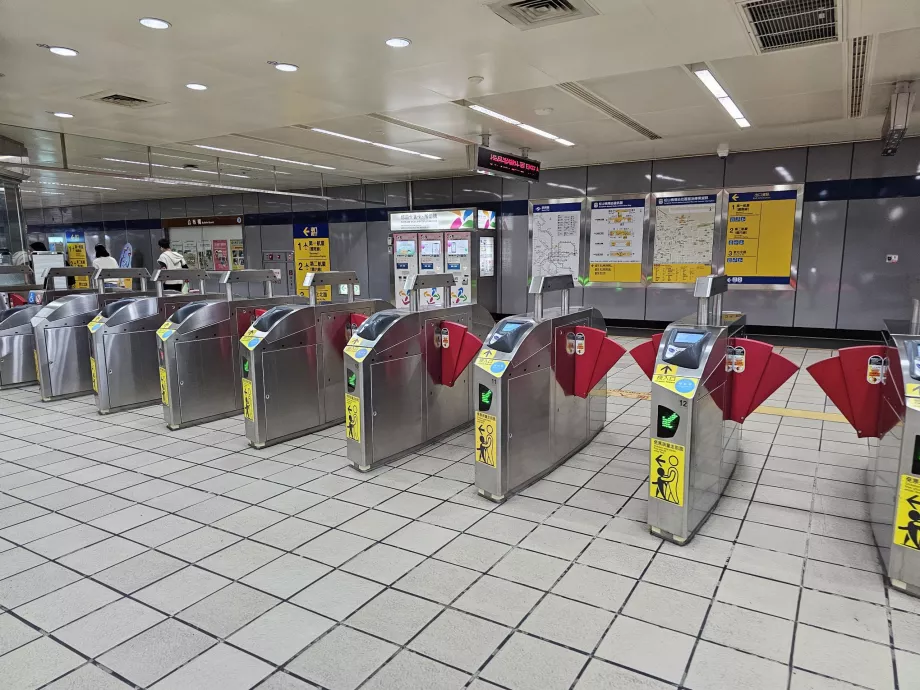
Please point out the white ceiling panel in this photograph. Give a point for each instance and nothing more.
(652, 91)
(792, 109)
(897, 56)
(521, 105)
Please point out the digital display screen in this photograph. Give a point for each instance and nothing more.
(485, 398)
(511, 327)
(405, 248)
(507, 163)
(688, 338)
(458, 247)
(431, 247)
(668, 422)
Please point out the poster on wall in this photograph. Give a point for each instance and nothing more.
(556, 229)
(758, 237)
(221, 255)
(205, 255)
(684, 230)
(237, 256)
(76, 256)
(189, 250)
(311, 255)
(615, 241)
(448, 219)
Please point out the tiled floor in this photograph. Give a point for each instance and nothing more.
(135, 557)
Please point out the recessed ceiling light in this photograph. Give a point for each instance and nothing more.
(398, 42)
(512, 121)
(544, 111)
(154, 23)
(475, 79)
(66, 116)
(283, 66)
(62, 51)
(374, 143)
(196, 87)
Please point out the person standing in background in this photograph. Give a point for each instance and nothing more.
(170, 260)
(104, 260)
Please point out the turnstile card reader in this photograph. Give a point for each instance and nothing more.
(292, 362)
(396, 397)
(533, 380)
(198, 351)
(17, 346)
(694, 443)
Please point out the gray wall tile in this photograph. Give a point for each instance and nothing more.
(620, 178)
(829, 162)
(820, 255)
(786, 166)
(698, 172)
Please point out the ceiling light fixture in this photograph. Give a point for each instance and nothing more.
(283, 66)
(267, 158)
(196, 87)
(399, 42)
(66, 116)
(64, 184)
(154, 23)
(374, 143)
(62, 51)
(174, 167)
(518, 123)
(715, 88)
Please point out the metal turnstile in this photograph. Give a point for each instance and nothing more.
(293, 381)
(17, 346)
(16, 282)
(123, 339)
(396, 398)
(532, 382)
(198, 351)
(694, 443)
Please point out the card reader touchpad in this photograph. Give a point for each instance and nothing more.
(684, 347)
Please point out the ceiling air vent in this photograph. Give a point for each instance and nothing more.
(122, 99)
(858, 73)
(533, 14)
(781, 24)
(576, 90)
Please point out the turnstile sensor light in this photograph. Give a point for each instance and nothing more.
(485, 398)
(668, 422)
(352, 380)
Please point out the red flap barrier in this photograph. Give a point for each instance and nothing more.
(645, 354)
(854, 383)
(354, 322)
(764, 371)
(458, 348)
(260, 312)
(17, 300)
(600, 354)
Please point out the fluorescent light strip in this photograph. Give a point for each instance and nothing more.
(64, 184)
(174, 167)
(271, 158)
(374, 143)
(518, 123)
(715, 88)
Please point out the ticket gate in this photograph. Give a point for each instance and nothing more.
(293, 374)
(706, 379)
(47, 292)
(533, 380)
(62, 347)
(198, 351)
(877, 388)
(15, 284)
(17, 343)
(403, 387)
(123, 350)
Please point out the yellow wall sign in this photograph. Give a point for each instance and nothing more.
(353, 417)
(907, 523)
(758, 237)
(666, 481)
(485, 434)
(92, 370)
(248, 412)
(311, 255)
(76, 256)
(164, 387)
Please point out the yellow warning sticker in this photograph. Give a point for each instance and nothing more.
(684, 386)
(38, 369)
(96, 323)
(164, 388)
(359, 354)
(166, 330)
(248, 412)
(484, 433)
(92, 370)
(355, 340)
(486, 361)
(912, 390)
(251, 338)
(352, 417)
(667, 472)
(913, 403)
(907, 523)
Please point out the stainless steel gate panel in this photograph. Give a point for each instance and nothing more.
(203, 367)
(290, 390)
(130, 369)
(530, 427)
(396, 405)
(68, 360)
(17, 347)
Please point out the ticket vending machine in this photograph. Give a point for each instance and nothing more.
(62, 346)
(198, 350)
(123, 340)
(292, 363)
(694, 441)
(406, 377)
(877, 388)
(533, 382)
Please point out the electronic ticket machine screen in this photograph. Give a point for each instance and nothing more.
(684, 347)
(508, 335)
(913, 350)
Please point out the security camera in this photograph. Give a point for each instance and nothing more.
(722, 150)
